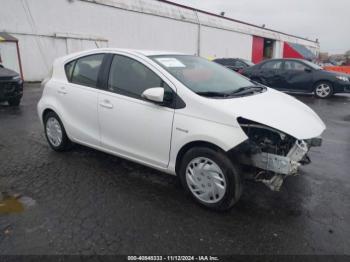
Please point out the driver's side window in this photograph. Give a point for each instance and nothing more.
(131, 78)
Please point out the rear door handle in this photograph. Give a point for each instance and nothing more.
(62, 90)
(106, 104)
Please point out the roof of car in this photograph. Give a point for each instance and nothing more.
(226, 58)
(276, 59)
(140, 51)
(111, 50)
(280, 59)
(153, 52)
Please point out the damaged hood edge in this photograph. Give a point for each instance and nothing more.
(279, 111)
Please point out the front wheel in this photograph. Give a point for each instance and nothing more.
(323, 90)
(55, 132)
(210, 178)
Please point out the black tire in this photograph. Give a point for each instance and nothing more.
(65, 142)
(318, 85)
(229, 170)
(14, 101)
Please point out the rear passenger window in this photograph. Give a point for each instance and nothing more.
(131, 78)
(272, 65)
(86, 70)
(293, 65)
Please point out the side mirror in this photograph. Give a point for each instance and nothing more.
(308, 70)
(154, 94)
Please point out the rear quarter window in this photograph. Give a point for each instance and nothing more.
(69, 70)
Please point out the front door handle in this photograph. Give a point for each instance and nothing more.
(106, 104)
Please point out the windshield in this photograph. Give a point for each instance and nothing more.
(312, 65)
(201, 75)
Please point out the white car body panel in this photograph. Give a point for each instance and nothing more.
(278, 110)
(189, 129)
(136, 128)
(153, 135)
(81, 116)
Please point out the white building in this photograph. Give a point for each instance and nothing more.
(49, 29)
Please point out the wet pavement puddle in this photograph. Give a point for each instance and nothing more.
(10, 204)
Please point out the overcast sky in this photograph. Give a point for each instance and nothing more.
(327, 20)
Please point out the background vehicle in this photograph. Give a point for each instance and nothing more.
(235, 64)
(11, 86)
(296, 75)
(180, 114)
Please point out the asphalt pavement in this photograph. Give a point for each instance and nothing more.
(87, 202)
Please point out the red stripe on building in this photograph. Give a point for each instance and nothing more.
(290, 52)
(258, 49)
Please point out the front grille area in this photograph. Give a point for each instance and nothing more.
(8, 87)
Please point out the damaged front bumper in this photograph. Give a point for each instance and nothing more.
(273, 168)
(271, 155)
(276, 167)
(286, 165)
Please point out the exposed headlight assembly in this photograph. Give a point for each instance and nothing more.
(343, 78)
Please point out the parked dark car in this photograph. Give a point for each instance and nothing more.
(235, 64)
(11, 86)
(297, 75)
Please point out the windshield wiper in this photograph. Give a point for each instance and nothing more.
(212, 94)
(246, 89)
(239, 91)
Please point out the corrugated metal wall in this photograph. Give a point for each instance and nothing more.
(223, 43)
(48, 29)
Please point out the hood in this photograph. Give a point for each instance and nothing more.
(276, 110)
(7, 73)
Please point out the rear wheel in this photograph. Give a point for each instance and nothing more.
(14, 101)
(323, 90)
(55, 132)
(210, 178)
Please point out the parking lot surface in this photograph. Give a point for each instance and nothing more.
(87, 202)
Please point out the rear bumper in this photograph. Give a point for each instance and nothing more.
(11, 90)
